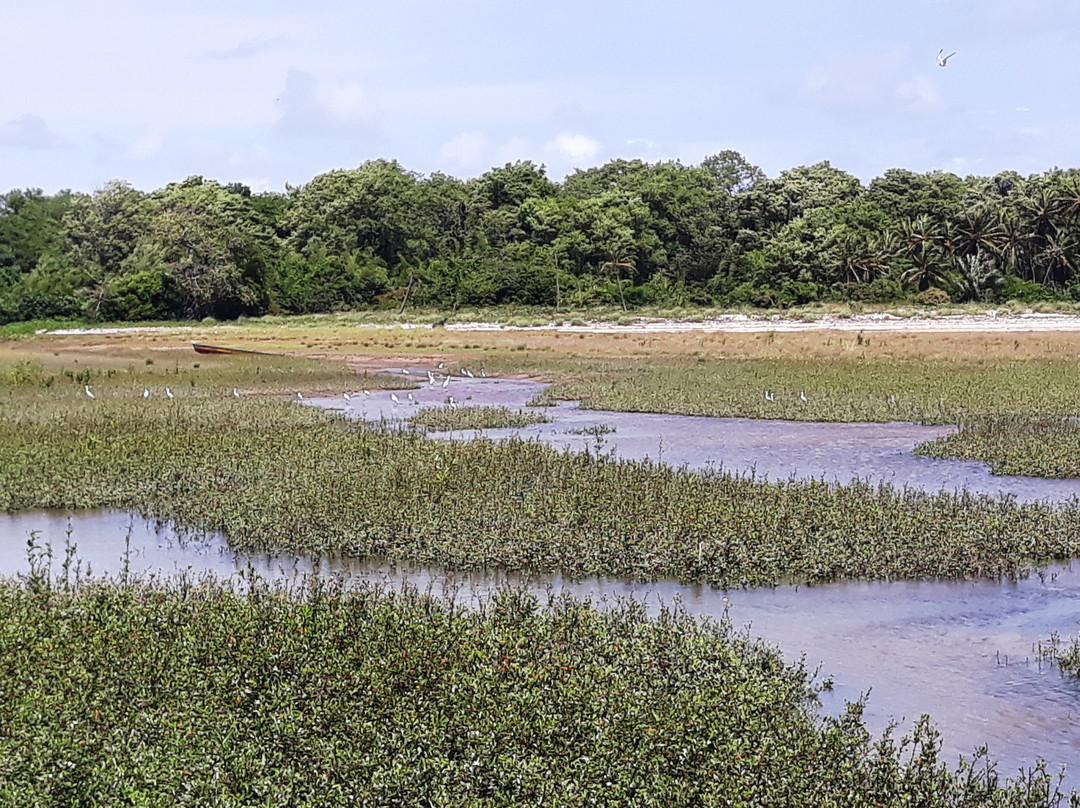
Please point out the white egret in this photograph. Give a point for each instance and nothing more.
(446, 381)
(145, 393)
(411, 399)
(346, 396)
(405, 371)
(769, 396)
(235, 393)
(483, 373)
(86, 387)
(802, 397)
(942, 60)
(169, 393)
(299, 396)
(442, 365)
(394, 398)
(367, 392)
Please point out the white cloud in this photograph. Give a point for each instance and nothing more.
(513, 150)
(870, 83)
(311, 109)
(467, 150)
(575, 147)
(27, 132)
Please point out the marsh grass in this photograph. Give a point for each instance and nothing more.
(194, 693)
(275, 476)
(194, 377)
(839, 390)
(1024, 445)
(448, 419)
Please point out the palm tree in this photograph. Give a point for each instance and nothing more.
(616, 265)
(1057, 259)
(921, 243)
(979, 231)
(1016, 245)
(977, 275)
(859, 258)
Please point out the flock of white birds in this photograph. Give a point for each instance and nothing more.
(432, 380)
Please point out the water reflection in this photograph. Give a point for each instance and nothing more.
(774, 450)
(960, 651)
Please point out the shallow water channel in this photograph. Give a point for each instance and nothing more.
(774, 450)
(959, 651)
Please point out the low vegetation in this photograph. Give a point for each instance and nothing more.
(1031, 446)
(195, 693)
(459, 419)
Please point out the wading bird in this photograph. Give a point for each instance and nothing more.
(145, 393)
(802, 397)
(405, 371)
(299, 396)
(411, 399)
(942, 59)
(169, 393)
(86, 387)
(346, 396)
(367, 392)
(235, 393)
(442, 365)
(446, 381)
(769, 396)
(394, 398)
(483, 373)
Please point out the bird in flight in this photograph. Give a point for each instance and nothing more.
(942, 59)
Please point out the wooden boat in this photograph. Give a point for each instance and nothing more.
(218, 349)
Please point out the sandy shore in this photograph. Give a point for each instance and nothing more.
(727, 323)
(742, 323)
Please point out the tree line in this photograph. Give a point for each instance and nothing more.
(628, 233)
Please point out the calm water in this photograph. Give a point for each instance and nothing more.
(960, 651)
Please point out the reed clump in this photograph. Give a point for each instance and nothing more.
(457, 419)
(1025, 445)
(197, 693)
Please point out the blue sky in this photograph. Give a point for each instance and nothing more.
(274, 92)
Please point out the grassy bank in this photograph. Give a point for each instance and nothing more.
(1031, 446)
(196, 695)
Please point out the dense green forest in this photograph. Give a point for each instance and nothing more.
(628, 233)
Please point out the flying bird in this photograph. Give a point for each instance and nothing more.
(942, 59)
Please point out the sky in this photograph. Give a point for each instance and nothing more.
(273, 93)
